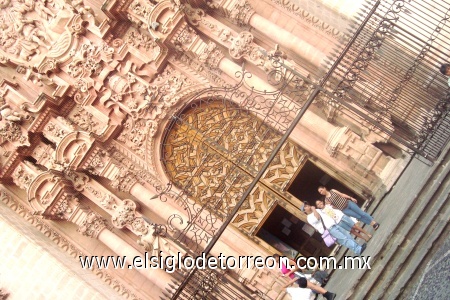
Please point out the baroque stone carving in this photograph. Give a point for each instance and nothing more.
(211, 55)
(86, 61)
(97, 162)
(12, 132)
(79, 180)
(108, 202)
(241, 12)
(64, 207)
(92, 225)
(85, 120)
(140, 40)
(124, 180)
(24, 34)
(135, 134)
(142, 175)
(243, 45)
(125, 216)
(23, 177)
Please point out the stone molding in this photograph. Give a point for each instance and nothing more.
(69, 247)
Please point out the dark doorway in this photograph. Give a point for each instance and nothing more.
(290, 236)
(310, 177)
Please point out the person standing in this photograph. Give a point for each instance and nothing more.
(343, 220)
(445, 70)
(343, 237)
(348, 206)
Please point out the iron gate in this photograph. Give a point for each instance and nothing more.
(386, 76)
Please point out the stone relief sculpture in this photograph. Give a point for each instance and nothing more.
(7, 113)
(10, 129)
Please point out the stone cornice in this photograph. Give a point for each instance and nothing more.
(292, 8)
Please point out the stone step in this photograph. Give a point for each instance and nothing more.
(420, 256)
(409, 255)
(421, 282)
(407, 239)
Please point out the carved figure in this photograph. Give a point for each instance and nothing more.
(29, 30)
(78, 7)
(8, 114)
(43, 10)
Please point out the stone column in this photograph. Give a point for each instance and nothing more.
(287, 40)
(310, 121)
(242, 13)
(53, 197)
(93, 225)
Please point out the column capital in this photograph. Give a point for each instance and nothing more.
(92, 224)
(240, 12)
(124, 180)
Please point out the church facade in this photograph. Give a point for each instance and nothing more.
(175, 128)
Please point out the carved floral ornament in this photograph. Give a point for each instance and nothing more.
(241, 12)
(140, 40)
(23, 177)
(125, 215)
(10, 129)
(243, 45)
(211, 55)
(63, 208)
(92, 225)
(124, 180)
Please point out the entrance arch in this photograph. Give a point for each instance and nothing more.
(211, 152)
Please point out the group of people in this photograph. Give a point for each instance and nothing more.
(334, 214)
(296, 275)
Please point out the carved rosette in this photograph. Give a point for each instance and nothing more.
(108, 202)
(124, 181)
(92, 225)
(125, 216)
(243, 45)
(241, 13)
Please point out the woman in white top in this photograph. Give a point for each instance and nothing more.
(343, 220)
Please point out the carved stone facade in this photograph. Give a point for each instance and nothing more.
(104, 105)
